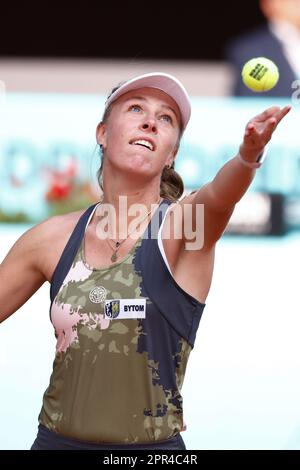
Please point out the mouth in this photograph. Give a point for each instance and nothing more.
(143, 143)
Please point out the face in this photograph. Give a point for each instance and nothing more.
(141, 133)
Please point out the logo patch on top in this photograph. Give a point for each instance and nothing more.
(125, 308)
(98, 294)
(112, 308)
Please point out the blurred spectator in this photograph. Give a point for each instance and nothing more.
(278, 40)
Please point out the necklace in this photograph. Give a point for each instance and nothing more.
(118, 243)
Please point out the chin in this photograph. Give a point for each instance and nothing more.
(138, 171)
(138, 164)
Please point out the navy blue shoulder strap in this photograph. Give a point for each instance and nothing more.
(179, 308)
(69, 253)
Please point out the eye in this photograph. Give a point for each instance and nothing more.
(135, 108)
(167, 118)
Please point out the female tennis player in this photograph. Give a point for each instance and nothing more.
(126, 301)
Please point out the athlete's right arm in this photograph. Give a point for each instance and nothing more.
(20, 271)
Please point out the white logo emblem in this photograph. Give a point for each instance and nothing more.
(98, 295)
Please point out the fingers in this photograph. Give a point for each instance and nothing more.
(260, 129)
(273, 122)
(249, 129)
(269, 129)
(282, 112)
(270, 112)
(267, 114)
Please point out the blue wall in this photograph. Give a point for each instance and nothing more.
(45, 132)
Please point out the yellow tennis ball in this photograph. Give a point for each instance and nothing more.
(260, 74)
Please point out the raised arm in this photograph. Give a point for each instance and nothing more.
(234, 178)
(20, 272)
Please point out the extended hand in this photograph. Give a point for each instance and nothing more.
(259, 131)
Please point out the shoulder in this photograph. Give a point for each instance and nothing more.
(55, 227)
(50, 235)
(39, 242)
(48, 239)
(63, 222)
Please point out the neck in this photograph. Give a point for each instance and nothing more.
(121, 194)
(135, 188)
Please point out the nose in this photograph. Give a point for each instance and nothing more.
(150, 126)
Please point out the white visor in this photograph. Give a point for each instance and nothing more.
(162, 81)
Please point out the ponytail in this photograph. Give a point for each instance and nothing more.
(171, 184)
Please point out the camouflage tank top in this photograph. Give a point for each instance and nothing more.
(124, 335)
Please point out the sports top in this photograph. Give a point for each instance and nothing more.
(124, 335)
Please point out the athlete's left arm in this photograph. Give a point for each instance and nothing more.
(232, 181)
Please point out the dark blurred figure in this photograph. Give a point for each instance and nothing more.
(278, 40)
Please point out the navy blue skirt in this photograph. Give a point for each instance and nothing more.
(49, 440)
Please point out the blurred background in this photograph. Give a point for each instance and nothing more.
(57, 65)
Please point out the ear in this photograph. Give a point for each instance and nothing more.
(101, 134)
